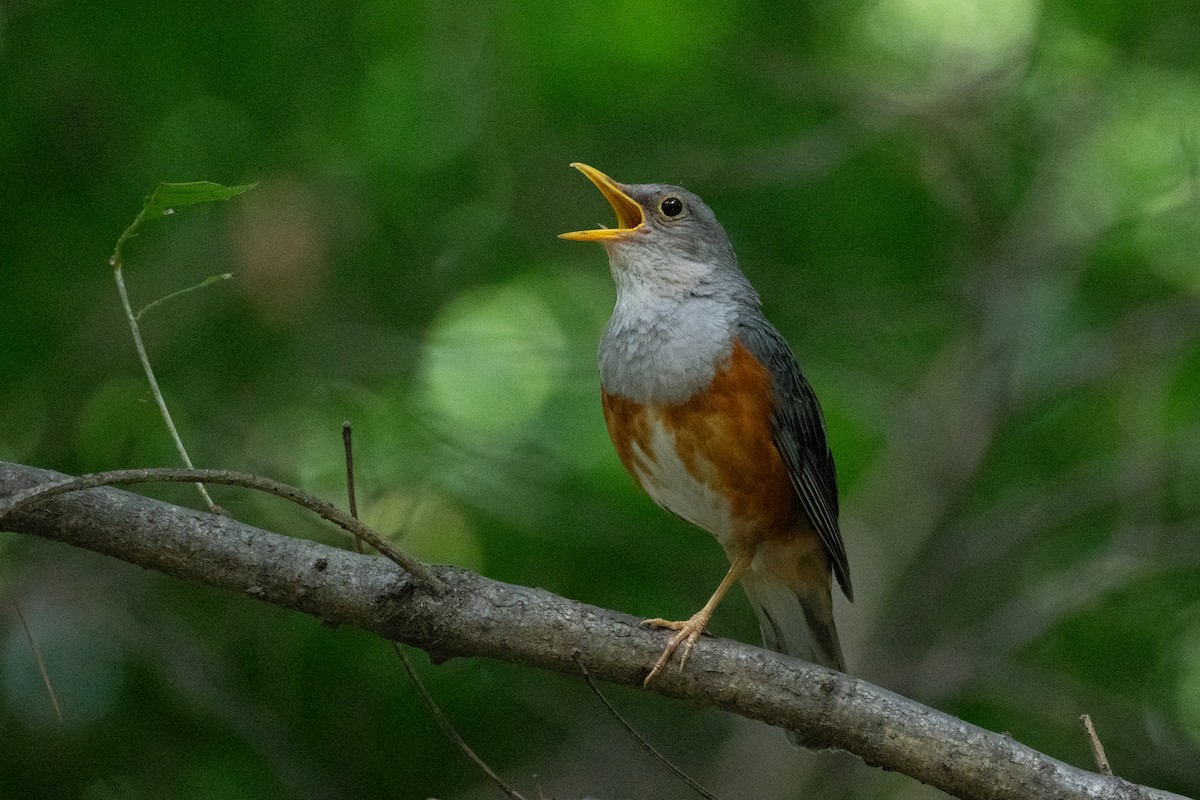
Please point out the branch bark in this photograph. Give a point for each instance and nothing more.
(476, 616)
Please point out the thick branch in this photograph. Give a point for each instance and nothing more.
(480, 617)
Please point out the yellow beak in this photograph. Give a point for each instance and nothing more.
(629, 212)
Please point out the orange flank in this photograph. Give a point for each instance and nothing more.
(722, 436)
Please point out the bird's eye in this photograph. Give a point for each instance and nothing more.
(671, 207)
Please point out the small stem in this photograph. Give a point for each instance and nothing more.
(695, 785)
(1097, 749)
(348, 446)
(448, 728)
(37, 656)
(222, 277)
(158, 397)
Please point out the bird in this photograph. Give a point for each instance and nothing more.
(710, 413)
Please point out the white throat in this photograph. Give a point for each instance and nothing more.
(664, 342)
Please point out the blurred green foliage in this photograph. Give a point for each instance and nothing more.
(978, 224)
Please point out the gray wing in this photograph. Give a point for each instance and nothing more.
(800, 436)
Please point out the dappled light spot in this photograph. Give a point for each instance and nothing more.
(281, 248)
(1139, 156)
(491, 360)
(933, 47)
(573, 427)
(1136, 170)
(428, 524)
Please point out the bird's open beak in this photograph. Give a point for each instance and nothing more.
(629, 212)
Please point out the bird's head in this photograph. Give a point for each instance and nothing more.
(659, 228)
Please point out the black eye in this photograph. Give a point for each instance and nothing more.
(671, 207)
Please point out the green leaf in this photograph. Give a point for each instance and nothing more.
(170, 196)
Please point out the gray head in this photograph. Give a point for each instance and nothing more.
(666, 238)
(680, 295)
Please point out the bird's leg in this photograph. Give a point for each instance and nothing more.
(688, 632)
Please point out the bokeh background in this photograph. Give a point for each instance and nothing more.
(978, 223)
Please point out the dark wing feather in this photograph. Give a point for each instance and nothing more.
(800, 436)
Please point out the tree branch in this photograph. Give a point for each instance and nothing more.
(476, 616)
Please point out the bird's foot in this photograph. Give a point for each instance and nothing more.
(686, 634)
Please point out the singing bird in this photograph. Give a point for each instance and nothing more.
(711, 415)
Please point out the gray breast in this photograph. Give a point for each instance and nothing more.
(664, 349)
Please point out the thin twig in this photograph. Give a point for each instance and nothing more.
(154, 390)
(430, 704)
(323, 509)
(211, 279)
(163, 202)
(1097, 749)
(449, 730)
(348, 446)
(649, 748)
(37, 655)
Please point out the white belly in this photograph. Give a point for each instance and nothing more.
(667, 480)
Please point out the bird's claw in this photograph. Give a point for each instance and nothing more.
(686, 634)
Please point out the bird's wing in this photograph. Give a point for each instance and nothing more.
(799, 431)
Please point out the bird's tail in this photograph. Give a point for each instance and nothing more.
(799, 625)
(796, 623)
